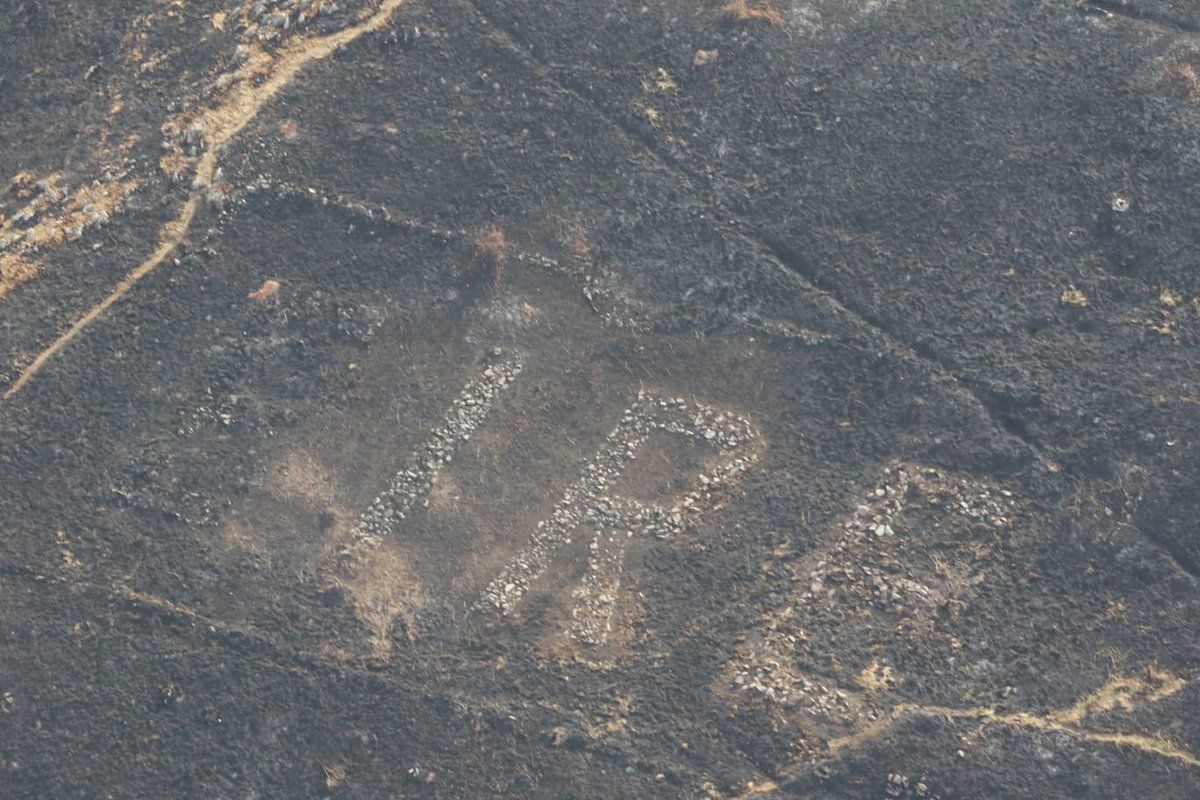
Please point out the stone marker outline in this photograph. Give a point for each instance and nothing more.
(414, 482)
(615, 519)
(858, 557)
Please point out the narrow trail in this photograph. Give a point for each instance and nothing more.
(226, 122)
(755, 788)
(1055, 722)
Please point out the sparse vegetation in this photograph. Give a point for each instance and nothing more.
(1073, 297)
(573, 238)
(335, 776)
(659, 81)
(265, 293)
(748, 11)
(1185, 72)
(289, 131)
(492, 250)
(704, 57)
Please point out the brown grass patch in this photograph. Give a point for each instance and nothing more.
(265, 293)
(15, 270)
(53, 216)
(876, 678)
(572, 237)
(299, 476)
(23, 186)
(492, 249)
(1186, 72)
(1123, 693)
(747, 11)
(335, 776)
(384, 589)
(704, 57)
(289, 130)
(176, 165)
(1073, 297)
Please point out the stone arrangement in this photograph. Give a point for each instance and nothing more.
(591, 507)
(413, 483)
(862, 572)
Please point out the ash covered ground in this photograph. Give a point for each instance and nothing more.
(490, 398)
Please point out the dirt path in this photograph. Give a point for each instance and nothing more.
(224, 123)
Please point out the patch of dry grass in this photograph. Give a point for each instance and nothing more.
(1073, 297)
(573, 238)
(492, 249)
(52, 216)
(752, 11)
(335, 776)
(265, 293)
(1186, 72)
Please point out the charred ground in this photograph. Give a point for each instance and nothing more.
(941, 262)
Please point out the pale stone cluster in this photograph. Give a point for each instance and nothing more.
(591, 506)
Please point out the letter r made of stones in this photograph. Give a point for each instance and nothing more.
(589, 504)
